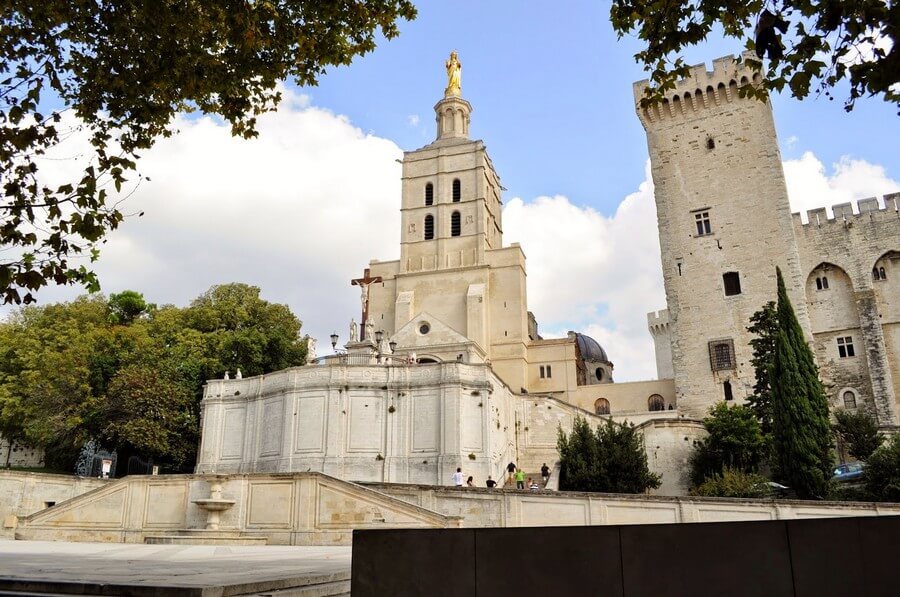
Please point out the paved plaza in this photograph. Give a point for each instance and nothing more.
(39, 567)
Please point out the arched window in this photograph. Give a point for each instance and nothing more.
(656, 402)
(429, 227)
(876, 274)
(849, 400)
(599, 373)
(429, 194)
(455, 225)
(457, 191)
(601, 406)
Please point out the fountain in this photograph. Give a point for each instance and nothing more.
(215, 504)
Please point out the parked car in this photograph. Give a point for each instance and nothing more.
(852, 471)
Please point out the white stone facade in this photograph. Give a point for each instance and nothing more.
(724, 225)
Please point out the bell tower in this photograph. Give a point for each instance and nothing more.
(450, 207)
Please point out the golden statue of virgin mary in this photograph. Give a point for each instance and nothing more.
(454, 73)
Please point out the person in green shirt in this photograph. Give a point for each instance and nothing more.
(520, 479)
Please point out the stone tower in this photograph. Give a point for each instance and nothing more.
(724, 225)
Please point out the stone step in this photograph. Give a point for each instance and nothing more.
(204, 537)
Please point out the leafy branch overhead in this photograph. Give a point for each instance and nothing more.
(121, 71)
(811, 45)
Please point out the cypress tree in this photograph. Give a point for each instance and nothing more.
(800, 425)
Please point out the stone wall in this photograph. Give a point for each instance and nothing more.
(511, 508)
(16, 454)
(844, 250)
(24, 493)
(281, 509)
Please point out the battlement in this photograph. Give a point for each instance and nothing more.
(843, 212)
(658, 321)
(700, 90)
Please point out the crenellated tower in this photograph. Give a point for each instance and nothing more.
(724, 225)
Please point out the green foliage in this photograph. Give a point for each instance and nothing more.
(70, 372)
(735, 441)
(608, 459)
(882, 473)
(734, 483)
(121, 72)
(827, 41)
(800, 424)
(859, 432)
(764, 324)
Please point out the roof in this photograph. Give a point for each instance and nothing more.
(590, 349)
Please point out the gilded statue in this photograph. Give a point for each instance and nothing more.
(454, 74)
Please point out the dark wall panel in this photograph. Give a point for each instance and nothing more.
(548, 561)
(731, 558)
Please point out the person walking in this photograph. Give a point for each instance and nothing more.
(545, 473)
(458, 478)
(510, 468)
(520, 479)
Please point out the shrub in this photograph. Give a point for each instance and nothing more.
(734, 483)
(610, 459)
(735, 441)
(882, 475)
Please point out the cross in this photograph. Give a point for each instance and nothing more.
(363, 284)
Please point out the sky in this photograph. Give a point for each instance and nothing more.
(300, 210)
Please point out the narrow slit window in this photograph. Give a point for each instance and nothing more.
(818, 283)
(824, 283)
(876, 275)
(726, 387)
(542, 372)
(549, 372)
(429, 194)
(455, 225)
(457, 190)
(429, 227)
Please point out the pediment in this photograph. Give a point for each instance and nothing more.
(438, 333)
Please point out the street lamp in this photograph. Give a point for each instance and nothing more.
(378, 336)
(393, 346)
(334, 341)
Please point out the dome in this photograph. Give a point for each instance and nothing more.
(590, 349)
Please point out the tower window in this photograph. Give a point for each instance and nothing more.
(732, 281)
(656, 402)
(429, 227)
(429, 194)
(599, 373)
(876, 274)
(849, 400)
(549, 372)
(455, 225)
(703, 225)
(601, 406)
(721, 355)
(457, 191)
(726, 387)
(542, 372)
(845, 347)
(824, 283)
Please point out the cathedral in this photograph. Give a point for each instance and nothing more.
(447, 367)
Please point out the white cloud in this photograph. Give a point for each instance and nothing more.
(599, 275)
(413, 120)
(811, 186)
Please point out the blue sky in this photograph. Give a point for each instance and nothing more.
(551, 90)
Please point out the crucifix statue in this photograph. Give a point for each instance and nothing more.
(364, 284)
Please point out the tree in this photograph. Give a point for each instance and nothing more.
(126, 306)
(71, 372)
(735, 442)
(859, 432)
(825, 42)
(800, 425)
(610, 459)
(764, 324)
(121, 71)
